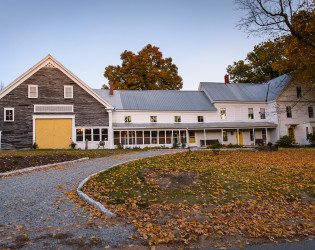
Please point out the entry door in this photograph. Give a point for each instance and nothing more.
(240, 138)
(291, 132)
(53, 133)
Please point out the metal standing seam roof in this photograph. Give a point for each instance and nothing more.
(199, 125)
(249, 92)
(159, 100)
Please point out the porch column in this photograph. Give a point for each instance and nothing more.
(221, 136)
(142, 137)
(266, 135)
(0, 139)
(110, 129)
(254, 136)
(120, 137)
(204, 135)
(165, 137)
(172, 137)
(187, 138)
(237, 136)
(158, 136)
(136, 138)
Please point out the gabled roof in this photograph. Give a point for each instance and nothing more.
(245, 92)
(50, 61)
(159, 100)
(276, 86)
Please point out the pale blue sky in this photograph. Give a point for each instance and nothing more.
(88, 35)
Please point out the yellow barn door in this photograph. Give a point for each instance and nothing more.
(53, 133)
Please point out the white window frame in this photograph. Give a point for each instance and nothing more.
(262, 114)
(128, 119)
(153, 118)
(64, 91)
(29, 91)
(177, 118)
(251, 113)
(4, 114)
(222, 113)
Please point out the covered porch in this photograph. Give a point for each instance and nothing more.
(193, 135)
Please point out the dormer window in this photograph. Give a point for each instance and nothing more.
(32, 91)
(68, 91)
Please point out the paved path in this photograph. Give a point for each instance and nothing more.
(36, 214)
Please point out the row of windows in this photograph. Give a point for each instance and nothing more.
(150, 137)
(153, 118)
(92, 134)
(262, 113)
(310, 111)
(9, 115)
(33, 91)
(251, 135)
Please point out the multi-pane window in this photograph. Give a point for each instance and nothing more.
(32, 91)
(225, 135)
(250, 113)
(104, 134)
(289, 111)
(68, 91)
(96, 134)
(200, 118)
(92, 134)
(223, 113)
(9, 114)
(153, 118)
(298, 92)
(177, 118)
(80, 134)
(310, 112)
(262, 113)
(128, 119)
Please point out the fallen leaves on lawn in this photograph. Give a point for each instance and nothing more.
(254, 194)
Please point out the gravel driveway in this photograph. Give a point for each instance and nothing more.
(36, 214)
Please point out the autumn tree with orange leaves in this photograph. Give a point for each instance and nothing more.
(144, 71)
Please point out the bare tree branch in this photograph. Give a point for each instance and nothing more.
(273, 16)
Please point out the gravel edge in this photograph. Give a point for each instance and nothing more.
(97, 204)
(24, 170)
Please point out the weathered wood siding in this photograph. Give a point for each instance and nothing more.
(18, 134)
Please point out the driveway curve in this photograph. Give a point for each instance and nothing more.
(36, 214)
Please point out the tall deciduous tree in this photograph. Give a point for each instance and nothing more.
(300, 57)
(259, 63)
(274, 17)
(145, 70)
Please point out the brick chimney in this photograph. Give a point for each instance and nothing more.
(267, 78)
(111, 88)
(226, 79)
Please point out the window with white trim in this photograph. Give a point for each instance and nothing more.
(200, 118)
(262, 113)
(128, 119)
(250, 113)
(9, 114)
(177, 118)
(32, 91)
(92, 134)
(153, 118)
(68, 91)
(222, 113)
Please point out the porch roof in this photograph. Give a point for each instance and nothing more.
(213, 125)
